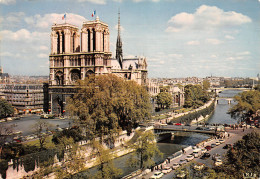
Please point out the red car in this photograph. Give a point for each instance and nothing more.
(208, 147)
(177, 124)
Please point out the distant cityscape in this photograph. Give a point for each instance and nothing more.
(26, 93)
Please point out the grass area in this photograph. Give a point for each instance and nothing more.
(159, 117)
(48, 143)
(183, 110)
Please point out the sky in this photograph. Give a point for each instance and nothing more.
(179, 38)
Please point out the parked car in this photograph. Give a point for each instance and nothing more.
(208, 147)
(215, 156)
(157, 175)
(166, 170)
(199, 128)
(189, 158)
(221, 141)
(205, 155)
(203, 151)
(182, 162)
(217, 143)
(213, 145)
(218, 162)
(175, 166)
(196, 153)
(199, 166)
(177, 124)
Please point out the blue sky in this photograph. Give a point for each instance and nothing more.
(179, 38)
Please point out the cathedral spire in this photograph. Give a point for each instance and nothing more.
(119, 50)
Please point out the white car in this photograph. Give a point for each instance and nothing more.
(203, 150)
(218, 162)
(175, 166)
(189, 158)
(217, 143)
(157, 175)
(221, 141)
(166, 170)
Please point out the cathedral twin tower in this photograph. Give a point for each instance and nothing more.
(73, 58)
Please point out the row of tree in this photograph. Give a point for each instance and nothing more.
(195, 115)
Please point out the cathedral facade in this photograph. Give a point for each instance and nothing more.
(76, 55)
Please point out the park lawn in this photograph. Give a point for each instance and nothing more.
(48, 143)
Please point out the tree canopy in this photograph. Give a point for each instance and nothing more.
(145, 149)
(106, 104)
(164, 99)
(206, 84)
(6, 108)
(195, 96)
(248, 102)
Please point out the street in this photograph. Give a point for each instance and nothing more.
(235, 135)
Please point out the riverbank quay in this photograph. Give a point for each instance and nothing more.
(234, 136)
(174, 115)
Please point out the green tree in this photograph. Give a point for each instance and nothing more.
(74, 160)
(164, 99)
(195, 96)
(248, 102)
(145, 149)
(206, 84)
(106, 104)
(40, 128)
(6, 108)
(257, 87)
(106, 168)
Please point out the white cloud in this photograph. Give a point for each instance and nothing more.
(206, 17)
(45, 21)
(193, 42)
(44, 48)
(6, 54)
(175, 56)
(213, 41)
(121, 28)
(243, 53)
(7, 2)
(94, 1)
(43, 55)
(23, 35)
(229, 37)
(213, 56)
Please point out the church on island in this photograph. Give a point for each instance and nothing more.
(76, 55)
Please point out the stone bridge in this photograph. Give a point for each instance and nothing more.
(173, 128)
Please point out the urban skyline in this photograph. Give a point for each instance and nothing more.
(178, 38)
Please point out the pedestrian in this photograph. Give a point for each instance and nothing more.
(182, 150)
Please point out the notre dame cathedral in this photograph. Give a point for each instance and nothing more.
(76, 55)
